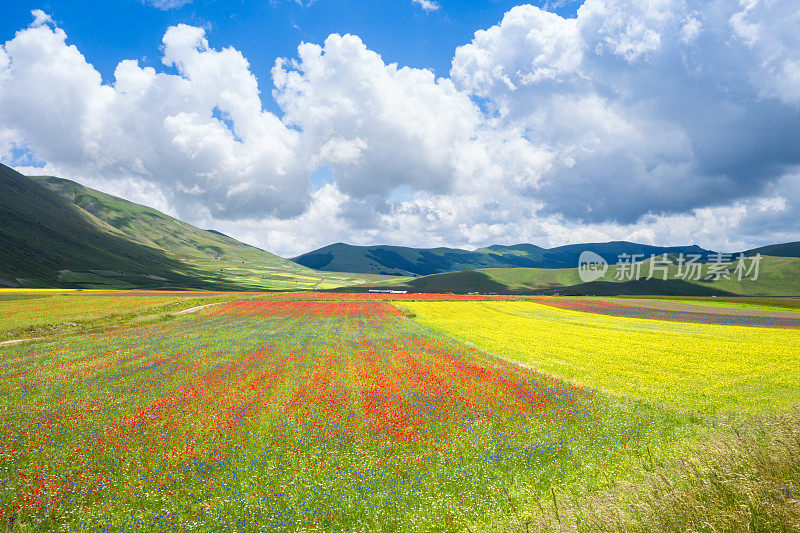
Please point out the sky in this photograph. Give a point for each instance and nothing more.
(293, 124)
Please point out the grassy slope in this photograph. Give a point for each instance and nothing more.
(155, 229)
(60, 233)
(213, 253)
(43, 234)
(789, 249)
(712, 369)
(779, 276)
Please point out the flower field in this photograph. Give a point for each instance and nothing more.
(27, 309)
(296, 415)
(710, 368)
(633, 311)
(371, 296)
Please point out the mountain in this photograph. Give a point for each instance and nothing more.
(789, 249)
(58, 233)
(398, 260)
(778, 276)
(404, 261)
(611, 251)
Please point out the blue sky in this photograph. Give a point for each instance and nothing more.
(399, 30)
(673, 122)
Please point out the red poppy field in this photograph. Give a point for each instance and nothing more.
(296, 415)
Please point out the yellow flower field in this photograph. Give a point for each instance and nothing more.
(710, 368)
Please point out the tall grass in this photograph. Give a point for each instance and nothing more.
(745, 479)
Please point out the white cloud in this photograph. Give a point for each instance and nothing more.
(691, 29)
(168, 130)
(651, 106)
(669, 121)
(340, 151)
(748, 32)
(40, 18)
(769, 29)
(427, 5)
(469, 222)
(379, 126)
(530, 46)
(167, 4)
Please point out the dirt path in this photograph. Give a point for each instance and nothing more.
(184, 312)
(194, 309)
(17, 341)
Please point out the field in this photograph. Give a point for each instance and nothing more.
(322, 412)
(762, 304)
(41, 312)
(677, 311)
(710, 369)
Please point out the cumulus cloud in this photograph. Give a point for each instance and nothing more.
(200, 135)
(652, 107)
(379, 126)
(427, 5)
(663, 121)
(40, 17)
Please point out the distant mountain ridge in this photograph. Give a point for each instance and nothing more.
(779, 276)
(58, 233)
(406, 261)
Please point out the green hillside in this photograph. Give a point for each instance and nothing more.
(778, 276)
(405, 261)
(394, 260)
(789, 249)
(58, 233)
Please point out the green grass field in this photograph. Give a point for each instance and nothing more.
(37, 313)
(321, 412)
